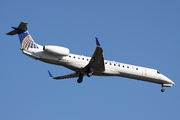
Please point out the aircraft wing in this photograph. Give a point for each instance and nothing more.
(69, 76)
(96, 64)
(97, 60)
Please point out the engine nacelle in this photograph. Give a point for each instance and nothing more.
(56, 50)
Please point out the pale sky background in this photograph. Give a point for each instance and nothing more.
(138, 32)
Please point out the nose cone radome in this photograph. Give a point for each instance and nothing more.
(167, 80)
(173, 83)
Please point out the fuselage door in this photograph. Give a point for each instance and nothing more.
(144, 72)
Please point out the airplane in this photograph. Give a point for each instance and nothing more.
(83, 65)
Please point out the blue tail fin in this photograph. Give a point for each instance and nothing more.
(24, 36)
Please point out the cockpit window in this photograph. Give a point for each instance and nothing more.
(158, 72)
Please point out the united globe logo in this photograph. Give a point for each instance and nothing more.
(28, 42)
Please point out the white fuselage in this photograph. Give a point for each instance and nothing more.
(112, 68)
(82, 65)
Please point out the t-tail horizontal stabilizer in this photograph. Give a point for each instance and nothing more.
(20, 29)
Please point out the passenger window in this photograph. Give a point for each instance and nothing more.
(74, 57)
(110, 63)
(69, 56)
(114, 64)
(136, 68)
(123, 65)
(119, 65)
(78, 57)
(87, 59)
(82, 58)
(105, 62)
(158, 72)
(127, 66)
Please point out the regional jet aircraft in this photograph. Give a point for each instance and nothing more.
(82, 65)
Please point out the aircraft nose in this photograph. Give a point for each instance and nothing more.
(173, 83)
(168, 80)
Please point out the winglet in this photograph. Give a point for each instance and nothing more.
(97, 42)
(50, 74)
